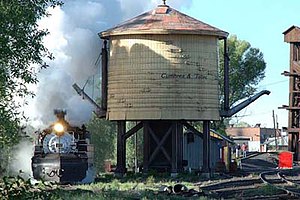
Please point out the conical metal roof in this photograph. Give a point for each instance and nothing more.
(163, 20)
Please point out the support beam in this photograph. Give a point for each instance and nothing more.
(226, 77)
(132, 131)
(121, 148)
(177, 147)
(163, 146)
(290, 141)
(104, 80)
(160, 144)
(146, 147)
(179, 156)
(206, 147)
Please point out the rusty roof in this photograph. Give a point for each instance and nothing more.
(163, 20)
(291, 28)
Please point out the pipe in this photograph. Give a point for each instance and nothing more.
(104, 75)
(226, 76)
(237, 108)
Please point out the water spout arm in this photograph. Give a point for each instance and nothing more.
(242, 105)
(99, 111)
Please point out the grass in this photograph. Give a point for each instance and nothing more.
(107, 186)
(266, 190)
(132, 186)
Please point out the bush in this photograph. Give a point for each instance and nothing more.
(19, 188)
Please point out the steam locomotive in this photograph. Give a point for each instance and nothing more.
(63, 153)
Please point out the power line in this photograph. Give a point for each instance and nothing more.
(274, 83)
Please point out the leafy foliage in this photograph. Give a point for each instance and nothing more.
(134, 147)
(21, 47)
(19, 188)
(103, 136)
(246, 69)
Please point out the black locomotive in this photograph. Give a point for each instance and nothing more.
(63, 153)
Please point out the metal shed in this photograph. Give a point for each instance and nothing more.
(193, 153)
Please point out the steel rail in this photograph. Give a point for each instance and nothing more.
(280, 182)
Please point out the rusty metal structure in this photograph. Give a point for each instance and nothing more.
(292, 36)
(160, 70)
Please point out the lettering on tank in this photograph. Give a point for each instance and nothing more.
(182, 76)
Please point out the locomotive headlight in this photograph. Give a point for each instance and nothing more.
(58, 128)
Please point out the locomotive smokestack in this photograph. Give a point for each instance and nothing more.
(60, 114)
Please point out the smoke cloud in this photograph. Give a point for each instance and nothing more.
(20, 164)
(75, 44)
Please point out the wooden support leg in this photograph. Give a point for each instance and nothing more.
(174, 166)
(121, 148)
(290, 146)
(146, 147)
(206, 147)
(297, 146)
(179, 131)
(177, 147)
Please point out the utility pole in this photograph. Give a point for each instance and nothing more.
(275, 131)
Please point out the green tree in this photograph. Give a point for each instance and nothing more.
(21, 47)
(134, 147)
(103, 137)
(246, 70)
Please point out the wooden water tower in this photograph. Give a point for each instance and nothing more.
(292, 36)
(162, 72)
(160, 69)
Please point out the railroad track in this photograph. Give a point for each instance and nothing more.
(279, 180)
(292, 176)
(261, 180)
(269, 185)
(235, 188)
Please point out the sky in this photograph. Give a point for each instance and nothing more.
(76, 46)
(261, 23)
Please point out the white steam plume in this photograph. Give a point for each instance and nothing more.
(20, 163)
(76, 46)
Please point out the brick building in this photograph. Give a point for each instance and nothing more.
(251, 135)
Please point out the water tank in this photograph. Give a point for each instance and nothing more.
(163, 65)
